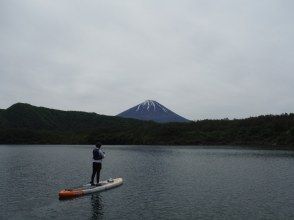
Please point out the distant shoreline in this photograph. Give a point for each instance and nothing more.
(232, 147)
(27, 124)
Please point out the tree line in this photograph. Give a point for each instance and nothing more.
(27, 124)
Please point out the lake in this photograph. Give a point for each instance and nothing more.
(160, 182)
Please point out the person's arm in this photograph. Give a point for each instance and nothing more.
(102, 153)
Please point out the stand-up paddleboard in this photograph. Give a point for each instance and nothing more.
(88, 189)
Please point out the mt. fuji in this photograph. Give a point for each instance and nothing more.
(154, 111)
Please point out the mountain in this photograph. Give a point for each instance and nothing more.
(22, 115)
(152, 111)
(23, 123)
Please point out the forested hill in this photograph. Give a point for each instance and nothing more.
(27, 124)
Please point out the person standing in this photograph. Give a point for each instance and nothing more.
(98, 156)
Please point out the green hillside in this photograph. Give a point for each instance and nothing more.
(27, 124)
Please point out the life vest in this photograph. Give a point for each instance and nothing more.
(97, 155)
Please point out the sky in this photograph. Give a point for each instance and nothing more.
(200, 58)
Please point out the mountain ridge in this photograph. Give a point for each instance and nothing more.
(28, 124)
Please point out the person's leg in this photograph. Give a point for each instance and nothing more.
(98, 172)
(93, 173)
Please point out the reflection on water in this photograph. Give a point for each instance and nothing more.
(97, 206)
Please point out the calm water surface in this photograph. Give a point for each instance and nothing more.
(159, 183)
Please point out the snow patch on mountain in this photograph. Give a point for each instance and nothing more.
(148, 104)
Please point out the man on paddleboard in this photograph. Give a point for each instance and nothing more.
(98, 156)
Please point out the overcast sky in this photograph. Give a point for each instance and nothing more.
(199, 58)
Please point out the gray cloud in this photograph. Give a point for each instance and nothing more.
(202, 59)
